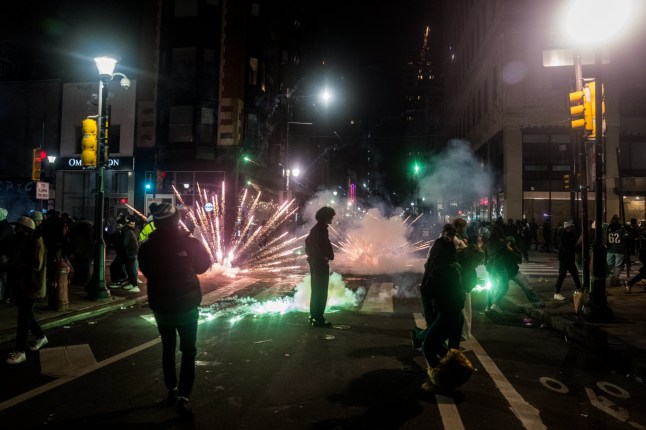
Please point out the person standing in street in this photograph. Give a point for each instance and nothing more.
(567, 259)
(27, 275)
(171, 259)
(319, 254)
(641, 274)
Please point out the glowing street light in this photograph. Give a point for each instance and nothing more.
(595, 23)
(96, 288)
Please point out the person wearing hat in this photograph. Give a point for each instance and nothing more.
(28, 278)
(6, 238)
(171, 259)
(319, 254)
(567, 259)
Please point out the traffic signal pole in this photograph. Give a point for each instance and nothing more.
(582, 184)
(597, 307)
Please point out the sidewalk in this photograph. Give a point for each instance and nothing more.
(621, 341)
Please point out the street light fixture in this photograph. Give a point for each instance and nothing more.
(96, 288)
(606, 20)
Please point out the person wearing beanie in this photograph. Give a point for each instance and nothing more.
(28, 278)
(319, 254)
(6, 238)
(171, 259)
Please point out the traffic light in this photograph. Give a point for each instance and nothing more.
(35, 164)
(89, 143)
(577, 110)
(566, 182)
(160, 180)
(591, 123)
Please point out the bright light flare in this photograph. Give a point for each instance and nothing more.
(592, 22)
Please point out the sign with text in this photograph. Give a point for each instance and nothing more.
(42, 190)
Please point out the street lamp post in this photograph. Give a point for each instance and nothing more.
(597, 307)
(96, 288)
(605, 20)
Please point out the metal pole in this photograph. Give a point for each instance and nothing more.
(96, 289)
(582, 183)
(597, 307)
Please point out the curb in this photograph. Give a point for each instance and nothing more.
(72, 317)
(616, 351)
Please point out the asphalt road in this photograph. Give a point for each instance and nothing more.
(273, 371)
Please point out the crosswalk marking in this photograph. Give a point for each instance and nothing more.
(535, 269)
(379, 298)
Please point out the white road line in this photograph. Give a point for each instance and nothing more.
(526, 413)
(58, 382)
(379, 298)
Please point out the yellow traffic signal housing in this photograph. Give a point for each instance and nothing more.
(89, 143)
(35, 165)
(566, 182)
(591, 119)
(577, 110)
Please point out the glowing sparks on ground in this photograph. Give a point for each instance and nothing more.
(252, 247)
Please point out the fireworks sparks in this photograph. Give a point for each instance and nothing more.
(252, 247)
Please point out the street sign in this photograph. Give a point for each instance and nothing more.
(42, 190)
(565, 57)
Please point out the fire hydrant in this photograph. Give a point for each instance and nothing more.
(58, 299)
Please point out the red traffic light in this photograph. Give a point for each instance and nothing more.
(43, 155)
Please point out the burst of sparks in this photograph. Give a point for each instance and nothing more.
(251, 248)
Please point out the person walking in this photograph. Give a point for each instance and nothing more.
(27, 274)
(319, 254)
(171, 259)
(496, 262)
(448, 293)
(615, 237)
(567, 259)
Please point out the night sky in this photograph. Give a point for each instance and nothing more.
(367, 45)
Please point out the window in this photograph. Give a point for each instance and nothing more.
(253, 71)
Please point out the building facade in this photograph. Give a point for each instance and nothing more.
(514, 110)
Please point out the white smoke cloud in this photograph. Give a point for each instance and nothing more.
(365, 239)
(454, 174)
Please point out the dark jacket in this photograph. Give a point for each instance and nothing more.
(443, 277)
(171, 260)
(567, 245)
(317, 244)
(6, 237)
(28, 267)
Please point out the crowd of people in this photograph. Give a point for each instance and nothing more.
(171, 258)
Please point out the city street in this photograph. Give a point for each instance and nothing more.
(274, 371)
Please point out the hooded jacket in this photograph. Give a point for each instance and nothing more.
(171, 260)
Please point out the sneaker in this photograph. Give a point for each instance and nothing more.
(39, 343)
(559, 297)
(172, 397)
(115, 285)
(139, 281)
(417, 344)
(495, 308)
(183, 408)
(131, 288)
(316, 323)
(16, 357)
